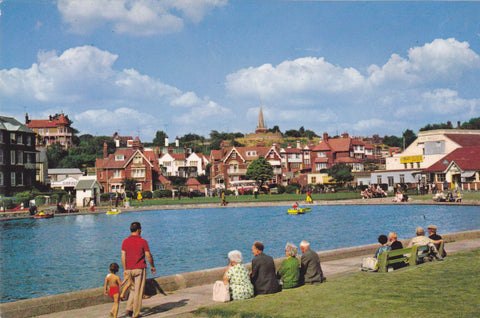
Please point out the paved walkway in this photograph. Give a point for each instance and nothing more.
(183, 302)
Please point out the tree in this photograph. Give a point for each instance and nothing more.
(129, 184)
(392, 141)
(340, 173)
(260, 170)
(293, 133)
(409, 137)
(159, 139)
(473, 123)
(274, 129)
(55, 153)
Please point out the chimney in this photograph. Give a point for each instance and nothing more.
(289, 146)
(345, 135)
(458, 124)
(325, 136)
(27, 120)
(166, 141)
(170, 150)
(49, 117)
(185, 151)
(105, 150)
(177, 142)
(298, 143)
(157, 151)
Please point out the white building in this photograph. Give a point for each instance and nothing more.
(88, 188)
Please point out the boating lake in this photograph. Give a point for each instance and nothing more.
(40, 257)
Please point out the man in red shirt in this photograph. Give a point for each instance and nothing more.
(134, 251)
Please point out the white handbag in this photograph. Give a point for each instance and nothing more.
(221, 292)
(369, 264)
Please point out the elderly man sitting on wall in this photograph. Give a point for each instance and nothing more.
(420, 240)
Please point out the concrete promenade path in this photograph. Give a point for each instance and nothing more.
(183, 302)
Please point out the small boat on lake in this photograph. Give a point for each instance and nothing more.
(113, 211)
(42, 215)
(299, 210)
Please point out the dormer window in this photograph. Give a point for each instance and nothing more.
(234, 155)
(119, 157)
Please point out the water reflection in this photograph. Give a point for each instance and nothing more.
(70, 253)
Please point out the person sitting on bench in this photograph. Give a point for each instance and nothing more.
(421, 240)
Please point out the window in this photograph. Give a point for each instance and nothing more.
(314, 180)
(20, 179)
(320, 166)
(138, 186)
(402, 178)
(12, 138)
(307, 161)
(390, 181)
(12, 178)
(29, 140)
(20, 157)
(440, 177)
(138, 173)
(12, 157)
(272, 155)
(1, 178)
(1, 137)
(418, 165)
(322, 155)
(117, 173)
(20, 139)
(119, 157)
(137, 159)
(194, 163)
(167, 163)
(40, 131)
(379, 179)
(1, 155)
(234, 155)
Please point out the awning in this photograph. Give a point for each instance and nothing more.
(467, 174)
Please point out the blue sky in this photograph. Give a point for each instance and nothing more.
(192, 66)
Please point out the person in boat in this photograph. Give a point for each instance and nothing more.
(296, 206)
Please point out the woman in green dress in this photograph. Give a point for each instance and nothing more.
(289, 271)
(237, 276)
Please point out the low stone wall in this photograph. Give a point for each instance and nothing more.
(91, 297)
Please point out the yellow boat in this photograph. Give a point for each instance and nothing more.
(299, 211)
(113, 211)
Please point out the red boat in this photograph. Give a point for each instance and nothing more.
(42, 215)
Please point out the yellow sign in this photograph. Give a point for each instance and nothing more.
(411, 159)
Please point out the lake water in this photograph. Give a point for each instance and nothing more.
(64, 254)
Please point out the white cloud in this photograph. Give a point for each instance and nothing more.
(447, 101)
(137, 17)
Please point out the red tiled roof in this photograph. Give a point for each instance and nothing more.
(467, 158)
(216, 154)
(465, 140)
(340, 144)
(369, 146)
(357, 142)
(192, 182)
(322, 146)
(111, 163)
(347, 160)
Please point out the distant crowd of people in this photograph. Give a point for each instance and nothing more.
(449, 197)
(373, 192)
(390, 242)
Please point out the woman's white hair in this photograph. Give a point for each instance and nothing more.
(235, 256)
(291, 250)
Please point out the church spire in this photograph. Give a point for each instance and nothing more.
(261, 128)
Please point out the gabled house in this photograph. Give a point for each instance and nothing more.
(135, 162)
(459, 169)
(331, 151)
(55, 129)
(229, 165)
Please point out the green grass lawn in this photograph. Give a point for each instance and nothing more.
(250, 198)
(438, 289)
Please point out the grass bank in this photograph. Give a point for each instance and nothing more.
(249, 198)
(437, 289)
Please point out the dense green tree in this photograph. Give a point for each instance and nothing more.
(274, 129)
(55, 153)
(341, 173)
(216, 139)
(129, 184)
(473, 123)
(309, 134)
(408, 137)
(293, 133)
(448, 125)
(259, 170)
(159, 139)
(393, 141)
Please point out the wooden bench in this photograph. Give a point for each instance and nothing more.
(412, 255)
(406, 255)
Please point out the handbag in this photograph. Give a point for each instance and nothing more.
(221, 292)
(369, 264)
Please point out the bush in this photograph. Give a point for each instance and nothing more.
(129, 194)
(54, 198)
(280, 189)
(147, 194)
(105, 197)
(292, 188)
(40, 200)
(156, 194)
(7, 204)
(165, 193)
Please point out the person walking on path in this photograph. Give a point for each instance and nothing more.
(112, 288)
(134, 252)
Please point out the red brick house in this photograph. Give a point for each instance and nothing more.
(135, 162)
